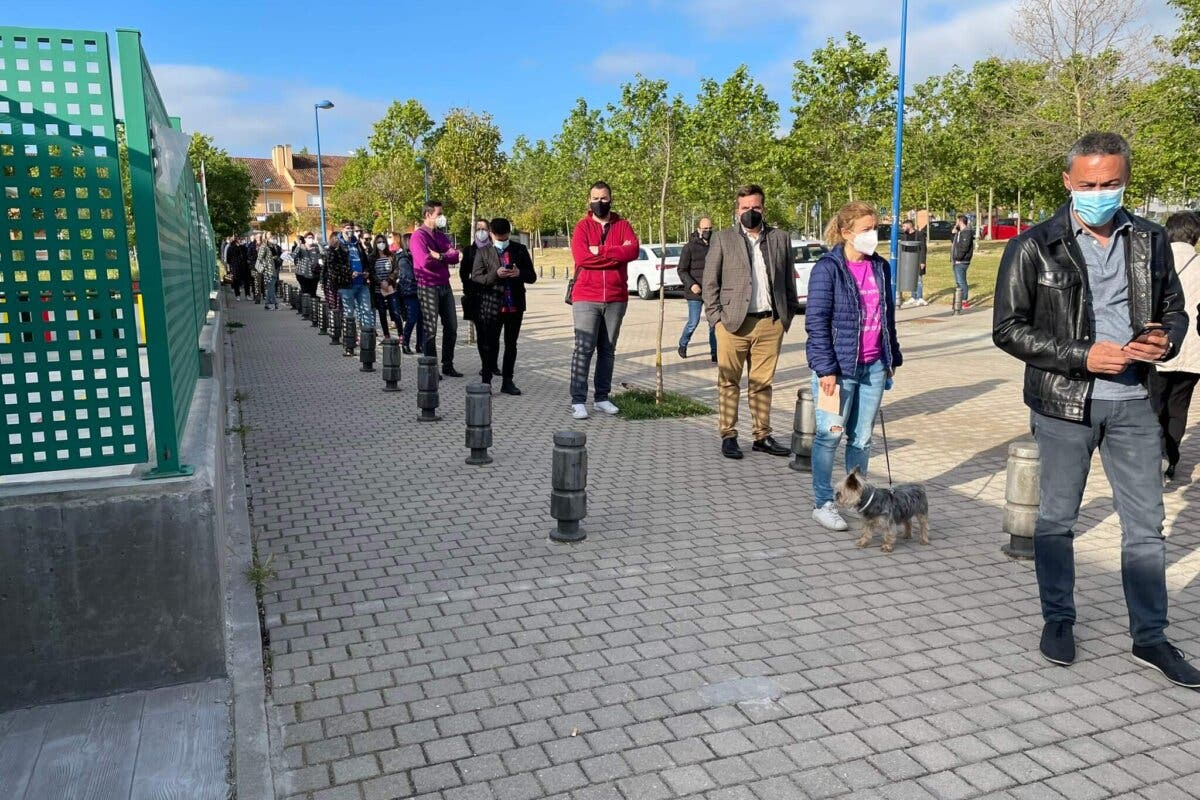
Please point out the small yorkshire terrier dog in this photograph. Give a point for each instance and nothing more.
(884, 511)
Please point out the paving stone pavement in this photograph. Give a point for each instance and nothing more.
(707, 640)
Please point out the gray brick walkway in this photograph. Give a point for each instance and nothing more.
(429, 641)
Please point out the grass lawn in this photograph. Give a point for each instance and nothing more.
(639, 404)
(555, 263)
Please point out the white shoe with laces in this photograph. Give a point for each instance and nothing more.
(606, 407)
(579, 411)
(828, 517)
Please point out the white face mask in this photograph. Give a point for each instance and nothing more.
(381, 246)
(866, 242)
(482, 236)
(440, 221)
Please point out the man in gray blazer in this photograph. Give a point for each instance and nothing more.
(750, 299)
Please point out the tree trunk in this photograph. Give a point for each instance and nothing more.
(978, 217)
(391, 216)
(1019, 215)
(991, 213)
(662, 270)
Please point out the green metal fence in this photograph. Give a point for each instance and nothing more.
(71, 374)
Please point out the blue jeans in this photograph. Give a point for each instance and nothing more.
(356, 300)
(412, 319)
(695, 309)
(919, 294)
(960, 278)
(861, 395)
(270, 281)
(1130, 442)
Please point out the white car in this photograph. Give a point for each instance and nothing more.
(645, 273)
(805, 255)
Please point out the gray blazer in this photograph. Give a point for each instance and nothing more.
(727, 277)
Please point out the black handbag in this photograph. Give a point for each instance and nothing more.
(570, 288)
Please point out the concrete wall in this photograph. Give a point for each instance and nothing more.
(114, 584)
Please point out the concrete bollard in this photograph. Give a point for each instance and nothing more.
(366, 350)
(335, 326)
(306, 310)
(427, 389)
(958, 301)
(391, 365)
(349, 337)
(479, 423)
(1022, 495)
(804, 431)
(568, 480)
(321, 315)
(296, 299)
(315, 307)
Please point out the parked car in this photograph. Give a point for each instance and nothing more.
(1005, 229)
(941, 230)
(645, 273)
(805, 255)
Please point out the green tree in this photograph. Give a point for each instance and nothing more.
(572, 169)
(530, 167)
(468, 159)
(404, 126)
(280, 224)
(231, 190)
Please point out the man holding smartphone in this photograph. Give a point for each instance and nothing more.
(1087, 300)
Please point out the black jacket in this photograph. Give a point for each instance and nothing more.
(235, 257)
(337, 272)
(962, 246)
(487, 263)
(691, 265)
(1043, 317)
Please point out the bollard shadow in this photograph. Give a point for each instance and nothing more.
(935, 401)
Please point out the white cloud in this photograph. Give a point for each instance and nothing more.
(973, 35)
(247, 115)
(651, 63)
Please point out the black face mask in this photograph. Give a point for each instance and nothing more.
(600, 208)
(706, 235)
(751, 218)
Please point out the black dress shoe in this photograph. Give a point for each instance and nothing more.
(772, 447)
(407, 350)
(448, 371)
(682, 351)
(1058, 643)
(1168, 660)
(713, 357)
(510, 388)
(730, 449)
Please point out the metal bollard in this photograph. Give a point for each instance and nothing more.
(958, 300)
(804, 431)
(391, 365)
(568, 480)
(366, 350)
(296, 299)
(315, 307)
(427, 389)
(305, 306)
(335, 327)
(349, 339)
(479, 423)
(1022, 495)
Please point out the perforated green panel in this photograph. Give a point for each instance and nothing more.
(69, 366)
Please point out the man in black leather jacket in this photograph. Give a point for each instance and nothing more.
(1087, 300)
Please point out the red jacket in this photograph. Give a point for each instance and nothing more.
(603, 278)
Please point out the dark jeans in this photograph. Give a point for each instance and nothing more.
(695, 309)
(381, 308)
(1127, 434)
(490, 328)
(395, 309)
(242, 282)
(307, 285)
(438, 301)
(412, 319)
(597, 327)
(1171, 394)
(960, 279)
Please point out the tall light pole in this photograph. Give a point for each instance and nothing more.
(899, 146)
(266, 209)
(324, 104)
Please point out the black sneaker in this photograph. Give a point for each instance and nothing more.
(407, 350)
(730, 449)
(768, 445)
(682, 351)
(712, 357)
(1168, 660)
(1058, 643)
(510, 388)
(448, 371)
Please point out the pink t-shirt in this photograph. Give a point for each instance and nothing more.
(871, 346)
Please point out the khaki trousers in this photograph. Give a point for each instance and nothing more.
(755, 345)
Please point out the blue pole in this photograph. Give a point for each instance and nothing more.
(320, 177)
(899, 147)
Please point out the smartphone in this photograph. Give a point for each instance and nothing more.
(1146, 330)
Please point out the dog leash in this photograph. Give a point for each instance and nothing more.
(886, 456)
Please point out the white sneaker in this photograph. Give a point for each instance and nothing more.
(922, 302)
(827, 516)
(579, 411)
(908, 304)
(606, 407)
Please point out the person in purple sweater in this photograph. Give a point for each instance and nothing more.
(432, 256)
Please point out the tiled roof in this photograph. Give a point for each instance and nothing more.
(262, 168)
(304, 169)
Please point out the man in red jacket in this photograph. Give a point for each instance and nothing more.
(602, 246)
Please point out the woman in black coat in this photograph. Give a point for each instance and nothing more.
(501, 270)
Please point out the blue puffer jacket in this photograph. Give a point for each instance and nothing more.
(833, 319)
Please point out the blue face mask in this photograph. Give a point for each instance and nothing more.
(1097, 207)
(502, 246)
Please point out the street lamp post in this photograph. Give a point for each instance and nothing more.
(266, 208)
(899, 146)
(324, 104)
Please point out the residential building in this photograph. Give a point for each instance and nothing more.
(287, 181)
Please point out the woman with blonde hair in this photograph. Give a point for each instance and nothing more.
(852, 348)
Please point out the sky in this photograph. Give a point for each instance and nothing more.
(248, 73)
